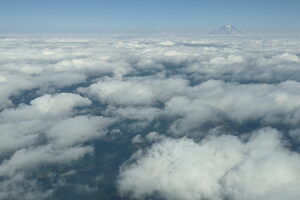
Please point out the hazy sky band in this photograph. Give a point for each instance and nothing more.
(142, 15)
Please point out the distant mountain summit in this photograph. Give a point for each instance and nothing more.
(227, 30)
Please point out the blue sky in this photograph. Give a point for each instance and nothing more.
(148, 15)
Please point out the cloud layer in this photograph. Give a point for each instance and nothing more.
(161, 116)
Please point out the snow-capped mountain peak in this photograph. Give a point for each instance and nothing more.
(227, 29)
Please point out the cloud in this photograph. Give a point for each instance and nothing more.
(154, 137)
(215, 168)
(219, 102)
(18, 187)
(78, 129)
(21, 134)
(136, 139)
(22, 126)
(136, 91)
(30, 158)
